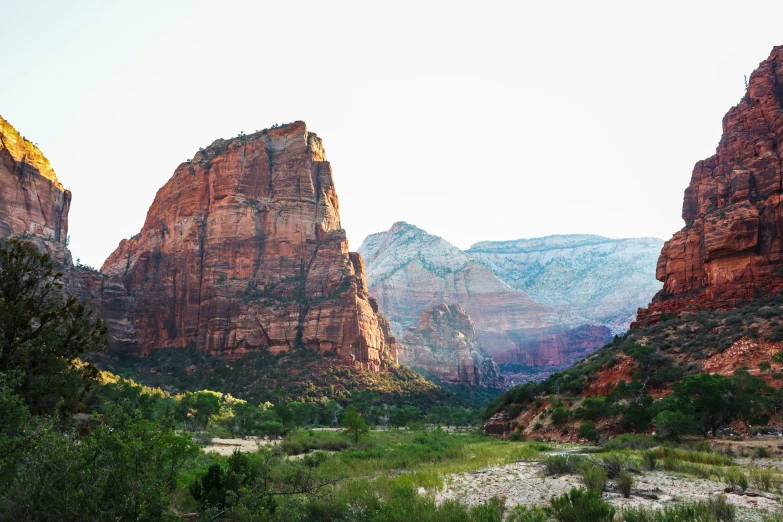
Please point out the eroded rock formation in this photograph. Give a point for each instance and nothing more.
(33, 203)
(444, 345)
(242, 248)
(731, 248)
(410, 271)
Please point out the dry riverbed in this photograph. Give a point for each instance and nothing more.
(525, 483)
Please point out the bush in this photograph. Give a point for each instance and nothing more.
(588, 431)
(628, 441)
(736, 478)
(650, 459)
(561, 464)
(762, 453)
(528, 514)
(581, 505)
(614, 465)
(715, 509)
(560, 416)
(594, 477)
(516, 436)
(625, 483)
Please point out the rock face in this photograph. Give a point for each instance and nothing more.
(602, 280)
(410, 271)
(33, 203)
(731, 248)
(445, 345)
(242, 248)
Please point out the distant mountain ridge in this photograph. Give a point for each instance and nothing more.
(536, 303)
(601, 279)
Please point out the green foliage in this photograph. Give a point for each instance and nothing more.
(560, 415)
(561, 464)
(625, 482)
(42, 333)
(594, 477)
(581, 505)
(528, 514)
(299, 443)
(354, 425)
(124, 470)
(672, 425)
(589, 432)
(715, 509)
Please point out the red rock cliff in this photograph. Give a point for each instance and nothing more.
(731, 248)
(445, 345)
(242, 248)
(33, 203)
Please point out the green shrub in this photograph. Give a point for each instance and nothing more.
(715, 509)
(516, 436)
(613, 464)
(588, 431)
(736, 478)
(561, 464)
(764, 479)
(594, 477)
(528, 514)
(560, 416)
(625, 482)
(650, 459)
(581, 505)
(761, 452)
(629, 441)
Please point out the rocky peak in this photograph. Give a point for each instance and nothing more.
(731, 248)
(241, 249)
(33, 203)
(445, 345)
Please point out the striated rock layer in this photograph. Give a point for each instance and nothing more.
(731, 248)
(242, 248)
(33, 203)
(410, 271)
(602, 280)
(445, 345)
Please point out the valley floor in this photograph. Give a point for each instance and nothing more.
(525, 483)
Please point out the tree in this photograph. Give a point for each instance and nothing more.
(354, 424)
(589, 432)
(673, 424)
(42, 332)
(201, 406)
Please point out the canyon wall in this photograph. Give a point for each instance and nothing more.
(444, 345)
(731, 248)
(33, 203)
(242, 249)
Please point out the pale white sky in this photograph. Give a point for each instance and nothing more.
(475, 121)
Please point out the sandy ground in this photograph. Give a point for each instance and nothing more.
(525, 483)
(227, 446)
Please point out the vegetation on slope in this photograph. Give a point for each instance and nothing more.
(655, 377)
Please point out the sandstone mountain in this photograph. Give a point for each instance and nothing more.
(410, 271)
(33, 203)
(241, 249)
(444, 345)
(602, 280)
(731, 248)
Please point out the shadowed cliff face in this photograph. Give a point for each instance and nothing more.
(445, 345)
(241, 249)
(731, 247)
(33, 203)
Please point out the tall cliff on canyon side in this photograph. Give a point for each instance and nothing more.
(410, 271)
(33, 203)
(600, 279)
(444, 345)
(242, 248)
(731, 248)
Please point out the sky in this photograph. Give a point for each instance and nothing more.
(472, 120)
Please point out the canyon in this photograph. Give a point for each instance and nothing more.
(538, 305)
